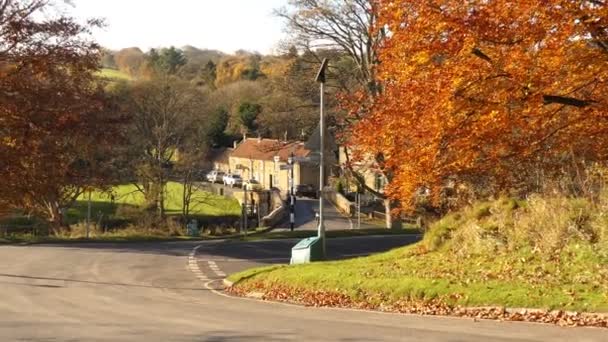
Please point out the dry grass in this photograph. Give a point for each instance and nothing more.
(546, 224)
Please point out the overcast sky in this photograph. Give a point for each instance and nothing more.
(225, 25)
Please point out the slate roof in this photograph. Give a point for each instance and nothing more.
(266, 149)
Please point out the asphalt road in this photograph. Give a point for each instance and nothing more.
(148, 292)
(306, 208)
(305, 211)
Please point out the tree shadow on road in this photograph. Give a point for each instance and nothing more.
(227, 336)
(90, 282)
(263, 251)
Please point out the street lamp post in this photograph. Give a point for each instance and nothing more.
(321, 79)
(292, 197)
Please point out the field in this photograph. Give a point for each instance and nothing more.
(128, 199)
(113, 74)
(127, 206)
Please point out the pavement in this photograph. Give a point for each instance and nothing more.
(151, 292)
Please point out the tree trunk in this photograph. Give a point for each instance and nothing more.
(392, 221)
(56, 219)
(186, 198)
(161, 202)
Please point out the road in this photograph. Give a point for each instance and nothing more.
(149, 292)
(306, 208)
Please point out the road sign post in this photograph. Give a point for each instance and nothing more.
(292, 197)
(245, 209)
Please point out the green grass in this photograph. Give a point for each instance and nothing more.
(493, 254)
(113, 74)
(128, 203)
(128, 200)
(301, 234)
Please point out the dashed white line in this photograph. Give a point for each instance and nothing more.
(194, 267)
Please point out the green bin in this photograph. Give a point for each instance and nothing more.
(307, 250)
(192, 228)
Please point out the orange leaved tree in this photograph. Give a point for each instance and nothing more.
(55, 122)
(487, 92)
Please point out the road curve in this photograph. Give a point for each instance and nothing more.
(147, 292)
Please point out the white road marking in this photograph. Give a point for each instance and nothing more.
(194, 267)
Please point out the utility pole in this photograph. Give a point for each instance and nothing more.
(321, 79)
(292, 197)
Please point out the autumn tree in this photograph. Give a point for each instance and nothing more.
(131, 61)
(56, 124)
(242, 67)
(201, 65)
(165, 113)
(487, 91)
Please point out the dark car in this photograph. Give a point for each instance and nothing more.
(306, 190)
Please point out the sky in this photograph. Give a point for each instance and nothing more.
(225, 25)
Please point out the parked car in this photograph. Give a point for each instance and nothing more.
(306, 190)
(233, 180)
(252, 184)
(215, 176)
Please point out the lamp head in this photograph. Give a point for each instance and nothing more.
(321, 74)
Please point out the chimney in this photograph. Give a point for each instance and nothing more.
(235, 144)
(259, 138)
(244, 136)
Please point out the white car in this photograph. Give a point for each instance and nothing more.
(233, 180)
(215, 176)
(252, 184)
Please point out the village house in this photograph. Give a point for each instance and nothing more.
(373, 178)
(265, 160)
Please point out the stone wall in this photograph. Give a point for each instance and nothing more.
(341, 202)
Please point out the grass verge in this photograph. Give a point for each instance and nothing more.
(550, 254)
